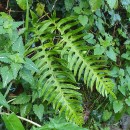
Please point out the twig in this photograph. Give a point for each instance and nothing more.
(54, 4)
(22, 118)
(7, 5)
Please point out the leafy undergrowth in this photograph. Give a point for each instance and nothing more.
(64, 64)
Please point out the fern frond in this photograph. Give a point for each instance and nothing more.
(56, 83)
(55, 42)
(87, 66)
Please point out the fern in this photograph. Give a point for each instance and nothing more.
(87, 66)
(53, 43)
(56, 83)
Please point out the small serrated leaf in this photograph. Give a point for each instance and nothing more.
(39, 111)
(30, 65)
(15, 68)
(6, 74)
(18, 46)
(27, 76)
(4, 58)
(17, 58)
(22, 99)
(3, 101)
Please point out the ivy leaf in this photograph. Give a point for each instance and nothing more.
(3, 101)
(128, 101)
(15, 68)
(99, 50)
(77, 10)
(25, 109)
(7, 75)
(122, 89)
(30, 65)
(106, 115)
(83, 19)
(111, 54)
(39, 111)
(95, 4)
(112, 3)
(22, 99)
(18, 46)
(89, 38)
(12, 122)
(117, 106)
(69, 4)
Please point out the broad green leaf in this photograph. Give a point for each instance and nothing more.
(95, 4)
(111, 54)
(12, 122)
(7, 24)
(25, 109)
(128, 101)
(106, 115)
(117, 106)
(7, 75)
(22, 99)
(30, 65)
(39, 111)
(69, 4)
(83, 19)
(2, 30)
(3, 101)
(6, 16)
(18, 46)
(112, 3)
(22, 4)
(15, 69)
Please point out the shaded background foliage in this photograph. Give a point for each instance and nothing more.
(107, 28)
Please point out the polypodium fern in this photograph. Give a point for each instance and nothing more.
(87, 66)
(54, 42)
(56, 83)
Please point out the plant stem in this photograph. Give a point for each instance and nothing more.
(22, 118)
(27, 21)
(7, 91)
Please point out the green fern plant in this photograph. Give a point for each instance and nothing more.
(58, 50)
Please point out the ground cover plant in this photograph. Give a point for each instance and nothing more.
(64, 64)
